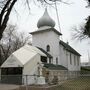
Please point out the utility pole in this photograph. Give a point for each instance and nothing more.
(58, 18)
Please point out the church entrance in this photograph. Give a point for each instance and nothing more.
(11, 75)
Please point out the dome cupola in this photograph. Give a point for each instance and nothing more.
(45, 20)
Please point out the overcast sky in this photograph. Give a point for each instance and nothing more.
(69, 16)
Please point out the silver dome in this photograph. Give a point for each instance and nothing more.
(45, 20)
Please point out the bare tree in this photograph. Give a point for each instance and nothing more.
(82, 32)
(11, 41)
(88, 1)
(78, 33)
(87, 27)
(6, 7)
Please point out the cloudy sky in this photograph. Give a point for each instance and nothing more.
(70, 15)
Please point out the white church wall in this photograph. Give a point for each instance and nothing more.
(72, 66)
(48, 38)
(78, 63)
(65, 60)
(63, 57)
(56, 50)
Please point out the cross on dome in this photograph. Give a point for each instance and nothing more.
(45, 20)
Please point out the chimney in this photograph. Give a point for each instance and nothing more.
(67, 42)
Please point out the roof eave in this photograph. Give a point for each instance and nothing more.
(76, 53)
(39, 31)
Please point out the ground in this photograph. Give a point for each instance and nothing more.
(82, 83)
(8, 87)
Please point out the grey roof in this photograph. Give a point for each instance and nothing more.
(49, 29)
(54, 67)
(69, 48)
(48, 55)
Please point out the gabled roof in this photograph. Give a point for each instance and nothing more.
(48, 55)
(12, 61)
(55, 67)
(23, 55)
(45, 30)
(69, 48)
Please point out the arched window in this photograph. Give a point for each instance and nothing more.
(56, 60)
(48, 48)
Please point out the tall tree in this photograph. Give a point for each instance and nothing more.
(83, 31)
(6, 7)
(11, 41)
(88, 1)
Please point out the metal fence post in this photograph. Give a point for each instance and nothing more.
(26, 82)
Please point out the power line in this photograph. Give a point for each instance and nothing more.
(58, 18)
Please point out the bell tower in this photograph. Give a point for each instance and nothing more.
(47, 37)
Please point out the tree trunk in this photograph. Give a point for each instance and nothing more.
(4, 16)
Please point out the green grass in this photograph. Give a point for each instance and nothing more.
(82, 83)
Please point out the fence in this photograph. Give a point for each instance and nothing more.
(52, 78)
(19, 79)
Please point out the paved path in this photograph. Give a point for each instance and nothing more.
(8, 87)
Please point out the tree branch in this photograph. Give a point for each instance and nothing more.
(3, 10)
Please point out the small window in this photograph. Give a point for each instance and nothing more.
(56, 60)
(50, 61)
(78, 61)
(48, 48)
(70, 59)
(43, 59)
(74, 60)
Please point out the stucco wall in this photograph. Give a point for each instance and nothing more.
(74, 66)
(65, 59)
(48, 38)
(63, 56)
(56, 50)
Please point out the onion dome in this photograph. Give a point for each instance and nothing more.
(45, 20)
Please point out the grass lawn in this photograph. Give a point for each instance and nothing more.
(82, 83)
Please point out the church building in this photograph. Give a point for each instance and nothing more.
(48, 39)
(54, 54)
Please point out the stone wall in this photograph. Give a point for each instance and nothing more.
(59, 75)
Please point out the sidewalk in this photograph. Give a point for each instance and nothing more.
(8, 87)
